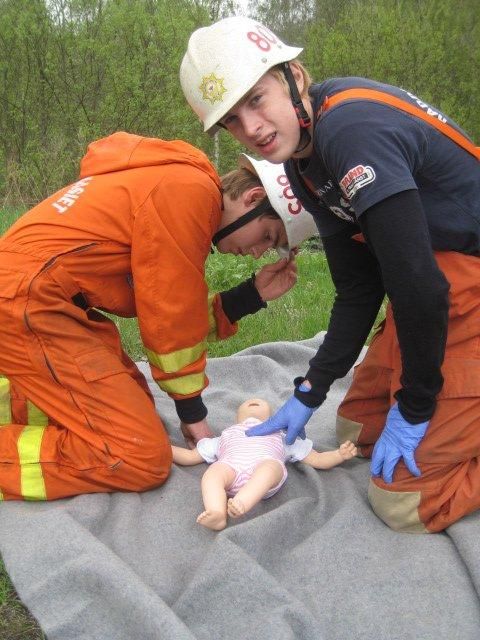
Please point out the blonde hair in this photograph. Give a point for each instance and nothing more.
(277, 73)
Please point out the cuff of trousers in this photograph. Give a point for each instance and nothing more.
(313, 398)
(242, 300)
(191, 410)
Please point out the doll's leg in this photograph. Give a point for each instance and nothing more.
(215, 480)
(267, 475)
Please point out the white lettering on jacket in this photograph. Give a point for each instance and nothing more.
(423, 105)
(71, 196)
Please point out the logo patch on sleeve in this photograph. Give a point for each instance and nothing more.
(355, 179)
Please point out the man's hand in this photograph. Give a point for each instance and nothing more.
(195, 432)
(275, 279)
(292, 416)
(399, 439)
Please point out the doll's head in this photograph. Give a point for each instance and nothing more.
(254, 408)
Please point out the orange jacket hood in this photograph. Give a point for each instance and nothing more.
(121, 151)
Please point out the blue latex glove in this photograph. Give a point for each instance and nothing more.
(399, 439)
(292, 416)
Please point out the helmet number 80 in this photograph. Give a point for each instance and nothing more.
(262, 37)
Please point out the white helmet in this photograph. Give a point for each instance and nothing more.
(299, 223)
(224, 61)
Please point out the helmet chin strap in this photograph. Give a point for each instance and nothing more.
(304, 119)
(257, 211)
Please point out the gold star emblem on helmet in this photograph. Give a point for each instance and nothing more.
(212, 88)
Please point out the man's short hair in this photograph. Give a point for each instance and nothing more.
(236, 182)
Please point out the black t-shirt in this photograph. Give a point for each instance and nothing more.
(366, 151)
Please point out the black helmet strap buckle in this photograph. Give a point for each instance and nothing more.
(304, 119)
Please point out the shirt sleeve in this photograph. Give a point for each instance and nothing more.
(208, 449)
(359, 293)
(371, 150)
(170, 244)
(298, 450)
(242, 300)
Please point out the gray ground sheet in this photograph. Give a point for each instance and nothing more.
(313, 562)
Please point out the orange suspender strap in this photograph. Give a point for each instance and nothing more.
(386, 98)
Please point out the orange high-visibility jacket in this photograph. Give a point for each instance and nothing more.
(134, 233)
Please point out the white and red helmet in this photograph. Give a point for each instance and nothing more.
(224, 61)
(299, 223)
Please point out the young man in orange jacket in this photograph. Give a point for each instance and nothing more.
(130, 237)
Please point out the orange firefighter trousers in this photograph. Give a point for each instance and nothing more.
(76, 415)
(449, 454)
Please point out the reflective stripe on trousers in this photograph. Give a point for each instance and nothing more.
(28, 444)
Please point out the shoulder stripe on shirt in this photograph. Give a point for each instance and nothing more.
(386, 98)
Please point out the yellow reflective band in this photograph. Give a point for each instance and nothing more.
(176, 360)
(184, 385)
(5, 409)
(35, 415)
(1, 495)
(212, 323)
(31, 476)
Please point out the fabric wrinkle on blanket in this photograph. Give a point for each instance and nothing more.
(311, 563)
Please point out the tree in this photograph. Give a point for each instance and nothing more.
(75, 70)
(427, 46)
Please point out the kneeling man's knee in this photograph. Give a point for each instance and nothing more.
(347, 429)
(148, 469)
(398, 509)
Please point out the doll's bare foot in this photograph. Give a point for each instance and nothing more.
(215, 520)
(347, 450)
(235, 508)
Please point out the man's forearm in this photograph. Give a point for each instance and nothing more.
(359, 294)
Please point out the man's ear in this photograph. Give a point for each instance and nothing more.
(298, 76)
(253, 196)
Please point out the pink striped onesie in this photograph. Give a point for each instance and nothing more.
(244, 453)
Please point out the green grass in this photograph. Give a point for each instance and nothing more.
(297, 315)
(15, 621)
(8, 217)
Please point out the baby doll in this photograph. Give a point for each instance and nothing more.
(249, 469)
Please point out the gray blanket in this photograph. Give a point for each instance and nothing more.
(313, 562)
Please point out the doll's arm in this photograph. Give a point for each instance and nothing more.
(329, 459)
(186, 456)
